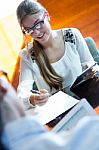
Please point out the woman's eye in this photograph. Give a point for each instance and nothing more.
(38, 26)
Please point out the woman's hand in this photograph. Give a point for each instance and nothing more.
(91, 72)
(39, 99)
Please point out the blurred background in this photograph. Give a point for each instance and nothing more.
(81, 14)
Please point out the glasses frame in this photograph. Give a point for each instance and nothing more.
(35, 26)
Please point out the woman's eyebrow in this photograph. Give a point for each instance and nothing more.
(36, 21)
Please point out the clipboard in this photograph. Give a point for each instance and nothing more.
(87, 88)
(81, 78)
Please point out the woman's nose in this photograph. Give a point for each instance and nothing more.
(35, 32)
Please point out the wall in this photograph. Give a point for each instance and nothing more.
(82, 14)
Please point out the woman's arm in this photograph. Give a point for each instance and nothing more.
(25, 84)
(28, 98)
(82, 48)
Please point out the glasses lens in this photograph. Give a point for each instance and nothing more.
(37, 26)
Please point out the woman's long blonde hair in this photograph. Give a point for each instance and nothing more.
(28, 7)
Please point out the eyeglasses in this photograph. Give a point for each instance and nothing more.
(38, 26)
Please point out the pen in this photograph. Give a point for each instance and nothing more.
(35, 91)
(38, 92)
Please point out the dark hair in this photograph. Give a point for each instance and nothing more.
(28, 7)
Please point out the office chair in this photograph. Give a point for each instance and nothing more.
(93, 48)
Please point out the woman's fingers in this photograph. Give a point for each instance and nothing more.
(39, 99)
(41, 102)
(42, 98)
(43, 91)
(91, 73)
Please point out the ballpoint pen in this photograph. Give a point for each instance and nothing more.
(35, 91)
(38, 92)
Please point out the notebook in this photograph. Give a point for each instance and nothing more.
(88, 87)
(80, 79)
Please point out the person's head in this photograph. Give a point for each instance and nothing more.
(34, 20)
(10, 107)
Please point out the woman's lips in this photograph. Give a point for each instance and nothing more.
(39, 37)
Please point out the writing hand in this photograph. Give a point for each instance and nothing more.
(39, 98)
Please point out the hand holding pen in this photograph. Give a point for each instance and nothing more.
(39, 97)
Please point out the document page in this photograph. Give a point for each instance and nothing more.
(56, 105)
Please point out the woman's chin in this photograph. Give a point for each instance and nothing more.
(42, 39)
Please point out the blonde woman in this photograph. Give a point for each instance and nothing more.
(53, 60)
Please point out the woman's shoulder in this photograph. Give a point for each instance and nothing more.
(70, 34)
(70, 30)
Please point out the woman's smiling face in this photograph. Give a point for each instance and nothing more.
(37, 26)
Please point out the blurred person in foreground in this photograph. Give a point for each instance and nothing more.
(21, 132)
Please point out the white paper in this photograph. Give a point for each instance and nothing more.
(56, 105)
